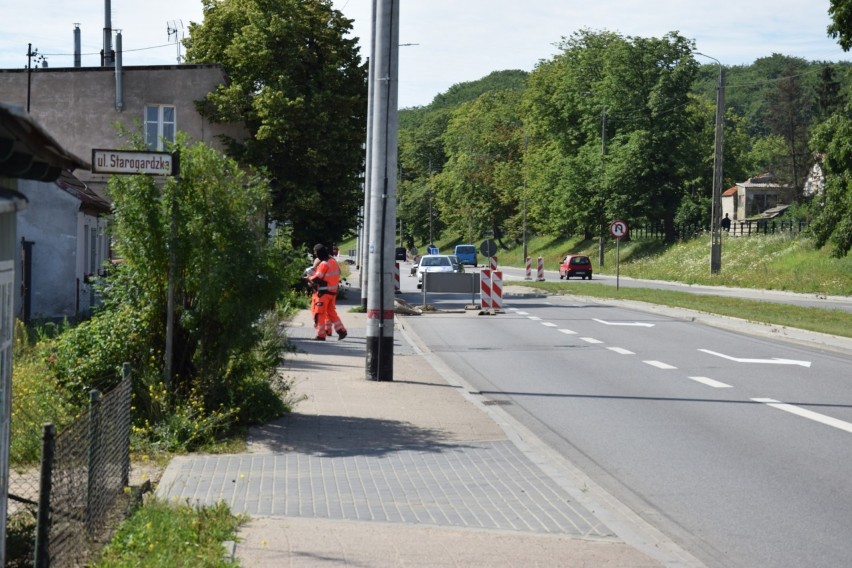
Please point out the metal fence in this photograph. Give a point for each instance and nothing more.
(738, 229)
(85, 470)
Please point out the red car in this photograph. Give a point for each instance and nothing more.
(576, 265)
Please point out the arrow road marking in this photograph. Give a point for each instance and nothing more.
(633, 323)
(774, 360)
(805, 413)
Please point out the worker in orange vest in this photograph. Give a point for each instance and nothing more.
(326, 283)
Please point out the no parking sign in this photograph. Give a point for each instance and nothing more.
(617, 229)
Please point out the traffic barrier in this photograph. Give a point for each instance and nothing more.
(497, 290)
(396, 287)
(493, 262)
(485, 289)
(529, 269)
(540, 269)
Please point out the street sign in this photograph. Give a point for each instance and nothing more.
(488, 248)
(618, 229)
(133, 162)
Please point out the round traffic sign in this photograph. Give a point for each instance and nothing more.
(618, 229)
(488, 248)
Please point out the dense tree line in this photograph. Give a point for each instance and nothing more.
(616, 126)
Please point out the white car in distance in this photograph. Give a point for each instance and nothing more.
(437, 263)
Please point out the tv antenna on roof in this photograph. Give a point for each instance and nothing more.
(175, 28)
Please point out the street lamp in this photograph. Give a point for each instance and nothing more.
(716, 210)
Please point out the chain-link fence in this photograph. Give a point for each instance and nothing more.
(78, 492)
(85, 471)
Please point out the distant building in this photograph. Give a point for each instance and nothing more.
(754, 196)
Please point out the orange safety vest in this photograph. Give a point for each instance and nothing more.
(327, 276)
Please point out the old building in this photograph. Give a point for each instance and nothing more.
(88, 108)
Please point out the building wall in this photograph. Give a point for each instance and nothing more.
(77, 105)
(51, 222)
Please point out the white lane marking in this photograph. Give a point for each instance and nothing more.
(805, 413)
(774, 360)
(549, 324)
(621, 350)
(660, 365)
(520, 313)
(535, 318)
(568, 331)
(711, 383)
(634, 323)
(591, 340)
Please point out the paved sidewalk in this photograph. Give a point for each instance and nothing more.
(402, 473)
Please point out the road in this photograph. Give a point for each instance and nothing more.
(734, 446)
(797, 299)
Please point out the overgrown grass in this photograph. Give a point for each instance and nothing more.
(160, 534)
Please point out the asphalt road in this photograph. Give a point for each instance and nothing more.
(797, 299)
(737, 447)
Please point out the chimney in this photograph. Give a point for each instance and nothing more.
(119, 80)
(77, 50)
(107, 55)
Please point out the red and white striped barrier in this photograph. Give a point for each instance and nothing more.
(485, 289)
(540, 277)
(497, 290)
(396, 287)
(529, 269)
(491, 289)
(493, 262)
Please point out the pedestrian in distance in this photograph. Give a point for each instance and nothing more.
(325, 282)
(726, 223)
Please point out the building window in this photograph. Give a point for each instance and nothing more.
(159, 125)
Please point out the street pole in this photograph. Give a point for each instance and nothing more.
(602, 241)
(368, 168)
(380, 293)
(716, 208)
(524, 260)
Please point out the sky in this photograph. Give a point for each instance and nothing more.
(443, 42)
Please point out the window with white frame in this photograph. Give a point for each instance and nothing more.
(159, 126)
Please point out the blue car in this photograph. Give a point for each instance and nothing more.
(466, 254)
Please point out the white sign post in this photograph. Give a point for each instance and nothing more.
(617, 229)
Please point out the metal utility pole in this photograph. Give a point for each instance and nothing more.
(380, 293)
(526, 145)
(716, 210)
(368, 168)
(602, 241)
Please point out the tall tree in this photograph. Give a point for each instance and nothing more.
(789, 113)
(298, 85)
(480, 182)
(833, 222)
(615, 106)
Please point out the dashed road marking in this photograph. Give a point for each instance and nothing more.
(660, 365)
(591, 340)
(711, 383)
(621, 350)
(568, 331)
(805, 413)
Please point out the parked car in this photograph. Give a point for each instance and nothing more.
(466, 254)
(437, 263)
(576, 265)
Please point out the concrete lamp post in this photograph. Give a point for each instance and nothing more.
(716, 211)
